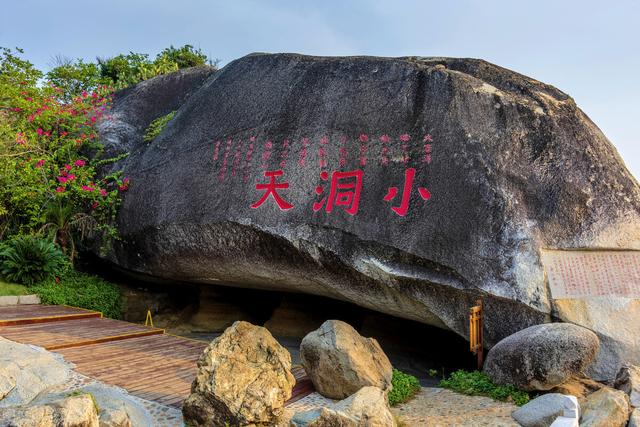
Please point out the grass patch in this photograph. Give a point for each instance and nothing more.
(156, 126)
(12, 289)
(405, 386)
(479, 384)
(81, 290)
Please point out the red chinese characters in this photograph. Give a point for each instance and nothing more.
(402, 210)
(345, 191)
(271, 189)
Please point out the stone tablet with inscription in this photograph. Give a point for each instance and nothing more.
(578, 274)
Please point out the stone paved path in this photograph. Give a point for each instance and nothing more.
(440, 407)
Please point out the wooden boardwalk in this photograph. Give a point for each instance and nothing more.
(143, 360)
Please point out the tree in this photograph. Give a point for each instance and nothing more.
(185, 56)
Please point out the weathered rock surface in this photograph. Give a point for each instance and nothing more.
(542, 356)
(366, 408)
(26, 371)
(634, 419)
(605, 408)
(514, 166)
(339, 361)
(244, 378)
(628, 380)
(74, 411)
(578, 387)
(541, 411)
(117, 408)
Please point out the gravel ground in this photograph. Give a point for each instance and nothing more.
(440, 407)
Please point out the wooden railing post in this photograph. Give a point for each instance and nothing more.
(476, 343)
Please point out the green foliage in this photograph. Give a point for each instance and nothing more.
(28, 260)
(405, 386)
(74, 78)
(156, 126)
(12, 289)
(81, 290)
(185, 56)
(126, 70)
(45, 139)
(479, 383)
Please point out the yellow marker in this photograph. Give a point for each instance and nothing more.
(149, 320)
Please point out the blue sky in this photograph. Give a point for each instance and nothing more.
(588, 49)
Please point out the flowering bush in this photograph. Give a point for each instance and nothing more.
(49, 152)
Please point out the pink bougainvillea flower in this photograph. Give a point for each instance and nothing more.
(79, 163)
(94, 205)
(103, 192)
(40, 131)
(67, 167)
(64, 133)
(60, 190)
(40, 163)
(405, 137)
(71, 177)
(62, 179)
(384, 138)
(84, 94)
(364, 138)
(87, 188)
(125, 185)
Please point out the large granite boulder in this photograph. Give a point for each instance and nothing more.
(453, 175)
(542, 357)
(244, 378)
(339, 361)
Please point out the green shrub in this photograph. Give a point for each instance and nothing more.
(82, 290)
(28, 260)
(156, 126)
(479, 383)
(405, 386)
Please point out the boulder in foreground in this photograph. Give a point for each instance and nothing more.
(339, 361)
(606, 407)
(244, 378)
(74, 411)
(366, 408)
(541, 357)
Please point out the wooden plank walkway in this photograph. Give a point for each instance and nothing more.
(143, 360)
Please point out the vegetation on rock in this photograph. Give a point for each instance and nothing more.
(478, 383)
(156, 126)
(405, 386)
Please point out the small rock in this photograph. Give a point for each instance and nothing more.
(541, 411)
(368, 407)
(628, 380)
(606, 407)
(75, 411)
(634, 420)
(339, 361)
(542, 356)
(244, 377)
